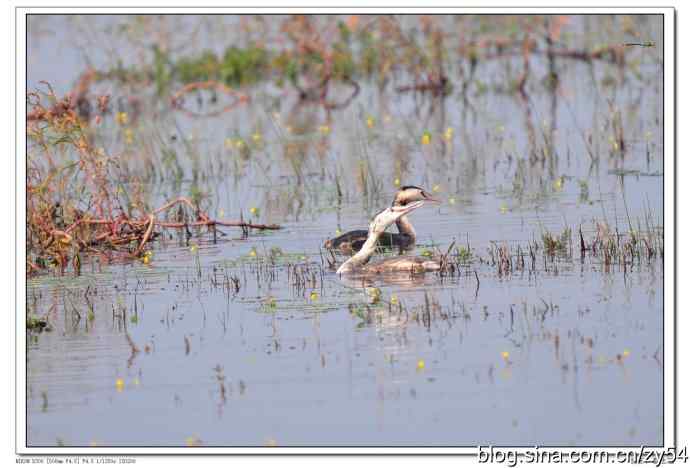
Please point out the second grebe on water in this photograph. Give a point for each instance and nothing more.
(352, 241)
(359, 262)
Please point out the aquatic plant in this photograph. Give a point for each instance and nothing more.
(100, 217)
(316, 53)
(556, 244)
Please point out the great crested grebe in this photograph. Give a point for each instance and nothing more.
(352, 241)
(359, 262)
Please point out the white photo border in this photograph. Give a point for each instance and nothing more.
(19, 324)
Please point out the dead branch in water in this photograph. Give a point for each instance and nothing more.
(100, 235)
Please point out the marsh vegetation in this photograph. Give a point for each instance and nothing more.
(183, 173)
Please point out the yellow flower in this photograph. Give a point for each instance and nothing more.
(626, 353)
(252, 253)
(503, 208)
(394, 299)
(396, 182)
(122, 118)
(146, 259)
(449, 134)
(254, 211)
(370, 122)
(558, 184)
(314, 296)
(420, 364)
(119, 385)
(426, 138)
(324, 129)
(374, 294)
(338, 232)
(505, 355)
(194, 248)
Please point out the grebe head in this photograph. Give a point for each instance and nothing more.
(411, 193)
(390, 215)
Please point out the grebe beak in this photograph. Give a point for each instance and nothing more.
(429, 198)
(407, 208)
